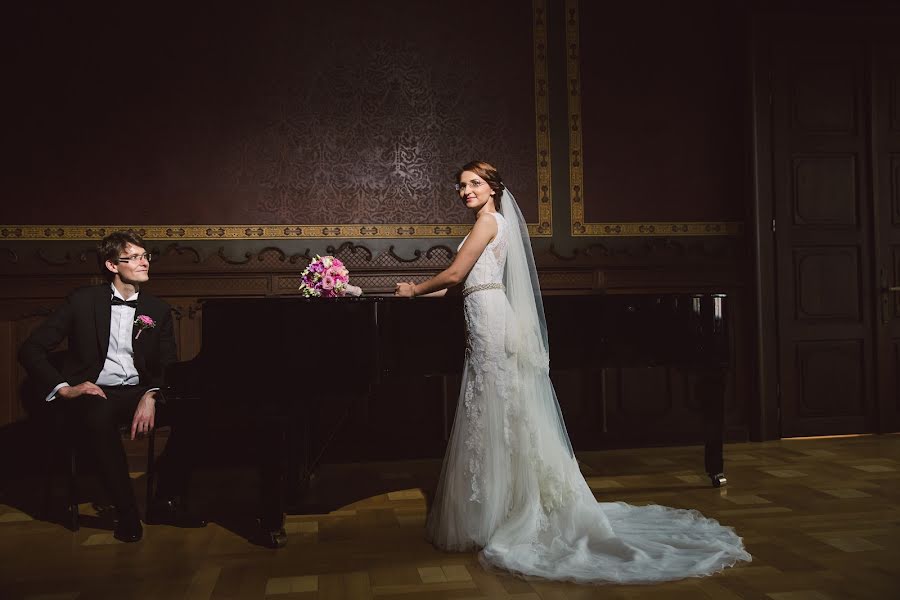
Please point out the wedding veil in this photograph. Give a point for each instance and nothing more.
(527, 325)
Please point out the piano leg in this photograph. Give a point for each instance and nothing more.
(271, 448)
(710, 389)
(299, 453)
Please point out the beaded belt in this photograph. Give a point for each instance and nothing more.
(483, 286)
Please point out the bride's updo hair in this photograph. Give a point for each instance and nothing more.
(489, 173)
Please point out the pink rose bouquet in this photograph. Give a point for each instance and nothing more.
(326, 276)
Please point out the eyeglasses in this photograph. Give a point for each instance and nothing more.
(136, 257)
(473, 185)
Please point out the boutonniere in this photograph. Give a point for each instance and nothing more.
(143, 322)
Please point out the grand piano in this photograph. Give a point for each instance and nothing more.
(273, 362)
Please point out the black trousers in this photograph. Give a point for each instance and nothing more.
(96, 421)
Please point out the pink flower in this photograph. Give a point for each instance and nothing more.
(324, 276)
(339, 273)
(143, 322)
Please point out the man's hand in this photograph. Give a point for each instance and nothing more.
(144, 415)
(73, 391)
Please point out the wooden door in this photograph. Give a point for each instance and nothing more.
(823, 237)
(886, 187)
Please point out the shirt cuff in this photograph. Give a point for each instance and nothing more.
(52, 395)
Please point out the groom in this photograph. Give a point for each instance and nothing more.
(119, 342)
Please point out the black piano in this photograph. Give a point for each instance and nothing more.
(274, 362)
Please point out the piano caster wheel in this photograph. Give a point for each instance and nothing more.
(275, 539)
(718, 480)
(272, 538)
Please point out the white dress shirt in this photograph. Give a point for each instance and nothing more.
(119, 367)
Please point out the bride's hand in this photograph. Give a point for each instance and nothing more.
(405, 289)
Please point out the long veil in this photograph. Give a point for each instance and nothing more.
(553, 526)
(527, 331)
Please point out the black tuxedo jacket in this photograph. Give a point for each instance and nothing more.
(84, 319)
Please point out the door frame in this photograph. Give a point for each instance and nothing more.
(765, 422)
(765, 29)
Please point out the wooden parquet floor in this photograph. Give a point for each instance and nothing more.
(821, 518)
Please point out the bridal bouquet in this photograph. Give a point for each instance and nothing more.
(327, 276)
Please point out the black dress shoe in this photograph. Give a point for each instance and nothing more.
(172, 511)
(128, 530)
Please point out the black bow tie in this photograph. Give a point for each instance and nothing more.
(114, 301)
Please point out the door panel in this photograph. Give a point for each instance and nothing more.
(823, 235)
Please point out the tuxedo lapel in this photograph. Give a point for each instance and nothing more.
(138, 339)
(134, 326)
(102, 313)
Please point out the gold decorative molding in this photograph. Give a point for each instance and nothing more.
(632, 229)
(579, 228)
(234, 232)
(573, 77)
(543, 228)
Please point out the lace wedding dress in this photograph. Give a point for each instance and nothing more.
(510, 483)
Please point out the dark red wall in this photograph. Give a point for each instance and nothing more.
(665, 98)
(347, 111)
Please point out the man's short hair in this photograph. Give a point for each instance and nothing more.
(112, 246)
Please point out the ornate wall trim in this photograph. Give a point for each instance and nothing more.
(543, 228)
(235, 232)
(579, 228)
(668, 228)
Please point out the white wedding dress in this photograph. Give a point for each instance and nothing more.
(510, 483)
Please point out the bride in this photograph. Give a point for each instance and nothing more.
(510, 484)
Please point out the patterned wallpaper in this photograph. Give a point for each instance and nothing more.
(345, 112)
(346, 120)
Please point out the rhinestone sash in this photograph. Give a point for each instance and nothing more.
(482, 287)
